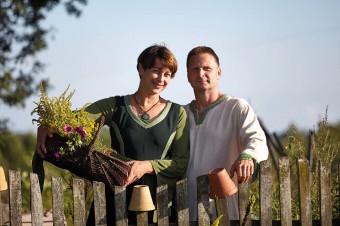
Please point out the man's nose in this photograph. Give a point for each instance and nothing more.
(202, 72)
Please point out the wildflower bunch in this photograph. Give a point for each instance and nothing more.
(56, 115)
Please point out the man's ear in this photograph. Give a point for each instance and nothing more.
(219, 72)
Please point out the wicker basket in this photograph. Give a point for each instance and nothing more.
(87, 162)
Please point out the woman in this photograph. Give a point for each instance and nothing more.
(146, 128)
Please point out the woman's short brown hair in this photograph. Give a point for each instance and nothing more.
(148, 58)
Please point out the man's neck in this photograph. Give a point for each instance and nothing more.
(203, 100)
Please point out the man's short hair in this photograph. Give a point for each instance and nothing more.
(200, 50)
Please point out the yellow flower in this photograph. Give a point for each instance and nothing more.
(54, 113)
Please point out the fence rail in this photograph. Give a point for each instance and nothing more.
(14, 207)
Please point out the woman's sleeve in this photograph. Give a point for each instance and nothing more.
(101, 107)
(175, 166)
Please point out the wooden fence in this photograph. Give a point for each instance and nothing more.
(265, 203)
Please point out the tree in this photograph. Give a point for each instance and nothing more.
(22, 37)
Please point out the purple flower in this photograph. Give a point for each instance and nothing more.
(67, 128)
(81, 132)
(57, 155)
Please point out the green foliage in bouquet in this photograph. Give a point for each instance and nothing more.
(57, 116)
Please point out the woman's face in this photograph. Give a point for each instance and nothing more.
(156, 78)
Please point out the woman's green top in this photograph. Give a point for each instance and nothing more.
(164, 141)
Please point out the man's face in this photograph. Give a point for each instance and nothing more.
(203, 72)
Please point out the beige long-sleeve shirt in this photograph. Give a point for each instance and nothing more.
(227, 129)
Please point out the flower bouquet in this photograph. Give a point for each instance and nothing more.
(74, 145)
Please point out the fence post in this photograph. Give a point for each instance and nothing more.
(99, 203)
(285, 192)
(15, 198)
(203, 200)
(182, 202)
(243, 200)
(120, 206)
(266, 193)
(325, 194)
(58, 202)
(36, 201)
(79, 202)
(222, 209)
(304, 192)
(162, 205)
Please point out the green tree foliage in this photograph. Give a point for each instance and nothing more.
(22, 38)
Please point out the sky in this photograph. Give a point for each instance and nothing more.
(283, 57)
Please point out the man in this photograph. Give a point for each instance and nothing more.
(224, 130)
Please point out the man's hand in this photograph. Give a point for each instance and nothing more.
(41, 137)
(244, 170)
(138, 169)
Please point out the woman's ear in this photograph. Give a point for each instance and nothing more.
(140, 68)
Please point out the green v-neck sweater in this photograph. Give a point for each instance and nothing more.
(164, 141)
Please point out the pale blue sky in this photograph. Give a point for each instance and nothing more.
(281, 56)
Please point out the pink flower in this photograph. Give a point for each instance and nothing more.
(57, 155)
(67, 128)
(81, 132)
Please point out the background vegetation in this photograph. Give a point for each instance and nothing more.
(321, 144)
(16, 152)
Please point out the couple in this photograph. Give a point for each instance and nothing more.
(223, 130)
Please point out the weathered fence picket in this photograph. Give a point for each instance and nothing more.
(205, 216)
(325, 194)
(57, 202)
(36, 201)
(265, 188)
(99, 203)
(285, 192)
(15, 198)
(304, 192)
(182, 202)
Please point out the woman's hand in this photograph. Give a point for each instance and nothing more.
(42, 133)
(138, 169)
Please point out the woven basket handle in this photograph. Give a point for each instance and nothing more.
(102, 121)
